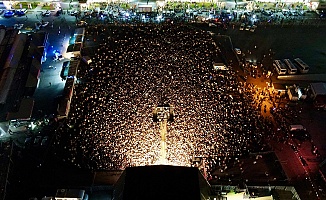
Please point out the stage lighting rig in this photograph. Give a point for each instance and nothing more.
(162, 114)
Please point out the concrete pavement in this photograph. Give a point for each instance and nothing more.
(304, 77)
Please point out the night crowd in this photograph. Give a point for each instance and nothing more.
(136, 68)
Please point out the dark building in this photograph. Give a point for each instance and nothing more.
(161, 182)
(318, 91)
(21, 56)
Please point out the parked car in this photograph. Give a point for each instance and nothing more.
(37, 140)
(285, 12)
(21, 12)
(248, 27)
(303, 161)
(9, 13)
(242, 27)
(44, 140)
(46, 13)
(28, 142)
(58, 13)
(266, 12)
(294, 13)
(38, 25)
(94, 14)
(44, 24)
(81, 24)
(301, 135)
(253, 28)
(301, 12)
(74, 13)
(18, 26)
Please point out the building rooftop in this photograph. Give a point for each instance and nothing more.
(319, 88)
(159, 182)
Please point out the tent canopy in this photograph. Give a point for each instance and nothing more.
(318, 88)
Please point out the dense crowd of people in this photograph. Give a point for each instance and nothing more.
(136, 68)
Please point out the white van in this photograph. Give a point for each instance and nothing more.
(296, 128)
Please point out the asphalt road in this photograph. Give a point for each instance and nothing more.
(265, 41)
(306, 41)
(59, 33)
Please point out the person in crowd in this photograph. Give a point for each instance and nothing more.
(138, 67)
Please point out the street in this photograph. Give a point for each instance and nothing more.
(266, 43)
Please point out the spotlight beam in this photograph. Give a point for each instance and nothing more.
(163, 114)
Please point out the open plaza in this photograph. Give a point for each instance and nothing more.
(100, 87)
